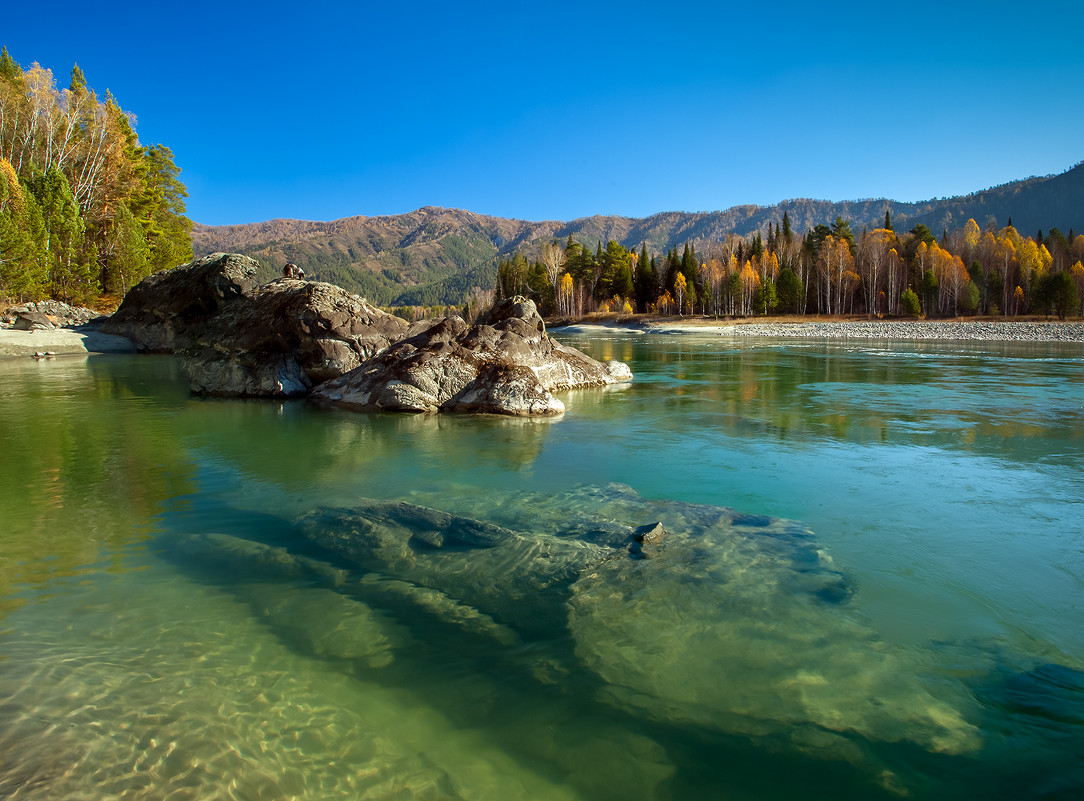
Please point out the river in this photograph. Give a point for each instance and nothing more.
(871, 586)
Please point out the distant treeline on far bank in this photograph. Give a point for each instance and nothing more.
(829, 270)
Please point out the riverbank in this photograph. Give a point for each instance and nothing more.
(819, 328)
(58, 341)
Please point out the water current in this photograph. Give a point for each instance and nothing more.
(871, 585)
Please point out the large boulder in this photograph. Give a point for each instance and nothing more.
(241, 339)
(285, 337)
(505, 364)
(166, 311)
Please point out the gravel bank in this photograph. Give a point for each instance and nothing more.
(978, 330)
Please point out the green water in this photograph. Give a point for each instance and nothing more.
(872, 586)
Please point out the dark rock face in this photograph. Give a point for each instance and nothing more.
(165, 312)
(238, 339)
(505, 364)
(284, 338)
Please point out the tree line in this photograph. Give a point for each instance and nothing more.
(85, 209)
(829, 270)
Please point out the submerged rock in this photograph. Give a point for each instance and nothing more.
(736, 623)
(505, 364)
(515, 579)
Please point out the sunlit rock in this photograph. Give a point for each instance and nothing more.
(283, 338)
(505, 364)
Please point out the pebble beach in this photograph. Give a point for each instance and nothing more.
(965, 330)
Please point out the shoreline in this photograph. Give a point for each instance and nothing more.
(959, 330)
(16, 343)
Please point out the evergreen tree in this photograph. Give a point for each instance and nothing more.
(130, 257)
(9, 70)
(789, 290)
(888, 221)
(86, 180)
(69, 277)
(841, 229)
(78, 82)
(645, 281)
(20, 277)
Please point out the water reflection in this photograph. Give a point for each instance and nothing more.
(975, 396)
(89, 456)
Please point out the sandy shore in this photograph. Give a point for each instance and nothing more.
(14, 342)
(968, 330)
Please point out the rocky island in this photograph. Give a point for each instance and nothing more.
(296, 338)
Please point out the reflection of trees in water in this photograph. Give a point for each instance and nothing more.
(928, 393)
(87, 464)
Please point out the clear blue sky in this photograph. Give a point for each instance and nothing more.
(560, 110)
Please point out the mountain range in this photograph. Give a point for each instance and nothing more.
(435, 255)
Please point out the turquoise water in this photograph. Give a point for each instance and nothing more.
(871, 587)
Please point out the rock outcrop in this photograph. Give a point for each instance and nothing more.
(505, 364)
(166, 311)
(283, 338)
(241, 339)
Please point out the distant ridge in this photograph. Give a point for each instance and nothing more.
(435, 255)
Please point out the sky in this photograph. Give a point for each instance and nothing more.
(560, 110)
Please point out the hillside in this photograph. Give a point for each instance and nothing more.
(435, 255)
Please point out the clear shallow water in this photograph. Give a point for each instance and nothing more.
(170, 630)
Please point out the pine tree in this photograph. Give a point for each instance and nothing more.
(9, 70)
(87, 180)
(78, 81)
(888, 221)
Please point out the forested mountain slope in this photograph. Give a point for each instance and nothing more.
(435, 255)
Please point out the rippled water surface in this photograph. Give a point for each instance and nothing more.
(871, 586)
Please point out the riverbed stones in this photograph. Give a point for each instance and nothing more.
(55, 313)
